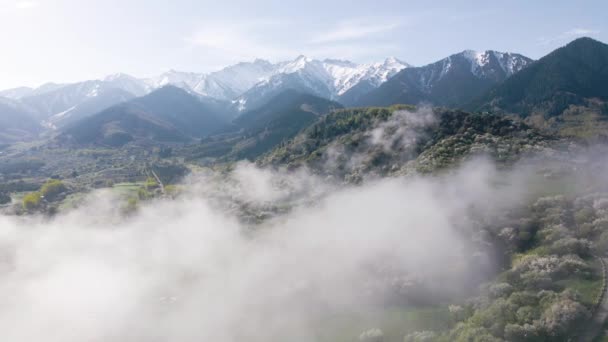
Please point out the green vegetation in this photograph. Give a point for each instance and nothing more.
(548, 279)
(343, 126)
(394, 323)
(567, 76)
(169, 115)
(51, 191)
(331, 144)
(259, 131)
(32, 201)
(552, 283)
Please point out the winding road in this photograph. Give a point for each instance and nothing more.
(160, 183)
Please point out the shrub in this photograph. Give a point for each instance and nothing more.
(500, 290)
(562, 317)
(517, 333)
(564, 246)
(32, 201)
(52, 189)
(143, 194)
(151, 183)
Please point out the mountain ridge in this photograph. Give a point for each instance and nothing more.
(568, 75)
(451, 81)
(169, 114)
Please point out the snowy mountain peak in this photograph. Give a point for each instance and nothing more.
(394, 61)
(340, 62)
(260, 61)
(489, 61)
(302, 59)
(476, 57)
(329, 78)
(118, 76)
(297, 64)
(16, 93)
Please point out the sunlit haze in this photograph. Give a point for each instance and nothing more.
(72, 40)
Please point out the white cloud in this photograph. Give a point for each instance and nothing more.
(568, 35)
(354, 30)
(223, 44)
(581, 32)
(237, 41)
(26, 4)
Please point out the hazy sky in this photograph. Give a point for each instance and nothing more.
(70, 40)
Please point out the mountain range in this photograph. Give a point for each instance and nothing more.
(168, 114)
(572, 75)
(452, 81)
(214, 102)
(243, 86)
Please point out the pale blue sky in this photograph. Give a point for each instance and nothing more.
(71, 40)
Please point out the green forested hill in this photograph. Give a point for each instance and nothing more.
(355, 142)
(256, 132)
(169, 114)
(567, 76)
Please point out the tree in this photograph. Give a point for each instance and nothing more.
(52, 189)
(32, 201)
(5, 198)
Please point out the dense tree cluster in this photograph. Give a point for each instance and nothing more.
(345, 143)
(51, 191)
(552, 282)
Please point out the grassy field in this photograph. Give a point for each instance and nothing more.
(127, 189)
(394, 322)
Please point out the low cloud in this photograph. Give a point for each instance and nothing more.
(193, 269)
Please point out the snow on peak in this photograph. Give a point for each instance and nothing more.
(347, 74)
(394, 62)
(296, 65)
(340, 62)
(93, 91)
(476, 58)
(334, 75)
(119, 76)
(509, 63)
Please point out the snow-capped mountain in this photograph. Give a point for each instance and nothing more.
(490, 63)
(233, 81)
(21, 92)
(329, 79)
(452, 81)
(247, 84)
(240, 82)
(16, 93)
(347, 74)
(78, 100)
(16, 124)
(180, 79)
(127, 83)
(225, 84)
(251, 84)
